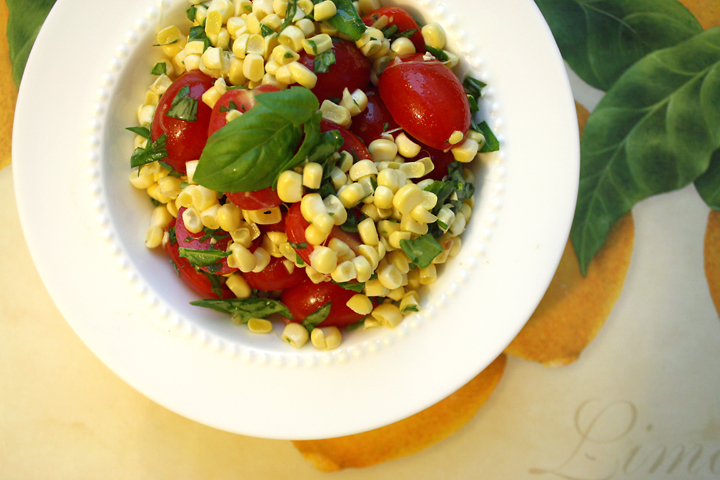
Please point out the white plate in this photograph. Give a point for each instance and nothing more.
(85, 227)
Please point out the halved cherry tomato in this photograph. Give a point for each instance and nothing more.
(258, 200)
(426, 99)
(185, 139)
(351, 70)
(195, 241)
(295, 225)
(275, 276)
(242, 99)
(196, 280)
(374, 120)
(351, 143)
(307, 297)
(403, 20)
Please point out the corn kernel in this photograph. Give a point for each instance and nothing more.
(434, 35)
(363, 269)
(263, 217)
(323, 259)
(402, 46)
(360, 304)
(368, 232)
(302, 75)
(191, 219)
(335, 208)
(382, 149)
(295, 334)
(388, 315)
(311, 206)
(238, 286)
(293, 37)
(389, 276)
(351, 195)
(336, 113)
(407, 198)
(290, 186)
(427, 275)
(344, 272)
(259, 325)
(326, 338)
(466, 151)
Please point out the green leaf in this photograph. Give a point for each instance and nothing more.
(289, 15)
(421, 251)
(142, 131)
(347, 20)
(708, 184)
(600, 39)
(653, 132)
(197, 33)
(152, 152)
(438, 53)
(323, 61)
(160, 68)
(191, 13)
(315, 318)
(265, 30)
(491, 142)
(183, 106)
(243, 309)
(353, 286)
(202, 258)
(24, 22)
(296, 104)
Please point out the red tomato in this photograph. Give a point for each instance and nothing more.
(243, 99)
(186, 239)
(440, 160)
(351, 70)
(295, 225)
(258, 200)
(307, 297)
(196, 280)
(374, 120)
(351, 143)
(185, 139)
(275, 276)
(403, 20)
(426, 99)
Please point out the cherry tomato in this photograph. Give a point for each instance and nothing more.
(195, 241)
(351, 70)
(351, 142)
(426, 99)
(374, 120)
(258, 200)
(403, 20)
(307, 297)
(196, 280)
(243, 100)
(295, 225)
(185, 139)
(275, 276)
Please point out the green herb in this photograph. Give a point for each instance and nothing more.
(299, 260)
(390, 31)
(410, 308)
(313, 45)
(421, 251)
(473, 88)
(168, 43)
(351, 224)
(438, 53)
(160, 68)
(299, 246)
(347, 20)
(152, 152)
(202, 258)
(197, 33)
(250, 152)
(215, 283)
(243, 309)
(289, 15)
(215, 234)
(648, 136)
(355, 325)
(601, 39)
(406, 33)
(173, 237)
(191, 13)
(142, 131)
(315, 318)
(171, 171)
(491, 142)
(231, 106)
(265, 30)
(183, 106)
(354, 286)
(323, 61)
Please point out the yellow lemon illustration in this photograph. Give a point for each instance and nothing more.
(407, 436)
(574, 308)
(8, 91)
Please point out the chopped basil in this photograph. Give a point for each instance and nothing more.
(243, 309)
(315, 318)
(410, 308)
(215, 283)
(406, 33)
(142, 131)
(197, 33)
(289, 15)
(421, 251)
(473, 86)
(191, 13)
(202, 258)
(313, 45)
(160, 68)
(351, 224)
(216, 234)
(299, 246)
(162, 45)
(171, 171)
(355, 325)
(299, 260)
(173, 237)
(183, 106)
(438, 53)
(265, 30)
(152, 152)
(347, 20)
(231, 106)
(491, 142)
(390, 31)
(354, 286)
(323, 61)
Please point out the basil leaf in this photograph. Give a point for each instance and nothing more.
(23, 25)
(243, 309)
(406, 33)
(421, 251)
(653, 132)
(183, 106)
(289, 15)
(197, 33)
(410, 308)
(347, 20)
(600, 39)
(231, 106)
(315, 318)
(215, 283)
(202, 258)
(152, 152)
(351, 224)
(265, 30)
(438, 53)
(142, 131)
(323, 61)
(354, 286)
(356, 325)
(191, 13)
(473, 86)
(301, 245)
(491, 142)
(296, 104)
(708, 184)
(160, 68)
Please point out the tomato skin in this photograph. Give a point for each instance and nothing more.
(192, 278)
(403, 20)
(257, 200)
(351, 70)
(351, 142)
(371, 122)
(187, 239)
(419, 94)
(185, 140)
(243, 98)
(275, 276)
(306, 297)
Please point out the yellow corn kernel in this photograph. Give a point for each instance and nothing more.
(245, 234)
(311, 206)
(344, 272)
(413, 169)
(326, 338)
(324, 10)
(255, 44)
(259, 325)
(289, 186)
(239, 47)
(262, 259)
(282, 55)
(211, 96)
(192, 62)
(466, 151)
(263, 217)
(434, 35)
(238, 286)
(456, 137)
(362, 169)
(196, 47)
(395, 237)
(323, 259)
(371, 211)
(373, 288)
(235, 27)
(410, 303)
(351, 195)
(407, 198)
(388, 315)
(154, 236)
(363, 269)
(360, 304)
(229, 217)
(387, 228)
(208, 217)
(243, 7)
(241, 258)
(280, 7)
(145, 115)
(370, 36)
(367, 6)
(368, 232)
(406, 147)
(421, 215)
(335, 113)
(295, 334)
(382, 149)
(312, 175)
(399, 260)
(335, 209)
(458, 225)
(235, 71)
(389, 276)
(402, 46)
(383, 197)
(427, 275)
(390, 178)
(302, 75)
(371, 255)
(293, 37)
(307, 26)
(213, 22)
(203, 198)
(409, 224)
(191, 219)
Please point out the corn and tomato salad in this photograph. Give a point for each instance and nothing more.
(307, 160)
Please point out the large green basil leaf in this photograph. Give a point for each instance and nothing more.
(600, 39)
(243, 309)
(347, 20)
(708, 184)
(24, 22)
(653, 132)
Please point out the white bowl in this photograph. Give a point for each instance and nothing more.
(85, 226)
